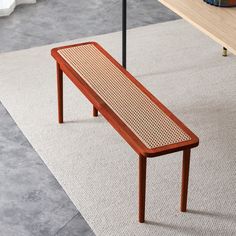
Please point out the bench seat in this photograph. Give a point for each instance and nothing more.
(149, 127)
(140, 118)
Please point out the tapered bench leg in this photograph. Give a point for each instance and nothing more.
(95, 111)
(142, 187)
(185, 177)
(60, 93)
(224, 53)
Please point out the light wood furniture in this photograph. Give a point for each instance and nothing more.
(217, 22)
(143, 121)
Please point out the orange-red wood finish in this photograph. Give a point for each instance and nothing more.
(113, 119)
(60, 93)
(122, 128)
(185, 176)
(142, 187)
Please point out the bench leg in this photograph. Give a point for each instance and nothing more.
(224, 53)
(142, 187)
(185, 176)
(60, 93)
(95, 112)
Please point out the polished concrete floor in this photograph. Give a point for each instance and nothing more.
(31, 200)
(51, 21)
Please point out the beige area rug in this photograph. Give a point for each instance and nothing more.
(98, 170)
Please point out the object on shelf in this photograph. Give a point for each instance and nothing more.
(222, 3)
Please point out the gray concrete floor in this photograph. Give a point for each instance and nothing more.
(31, 200)
(51, 21)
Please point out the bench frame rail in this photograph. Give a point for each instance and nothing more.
(123, 130)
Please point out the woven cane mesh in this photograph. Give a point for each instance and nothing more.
(146, 120)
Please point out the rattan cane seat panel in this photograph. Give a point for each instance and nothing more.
(144, 118)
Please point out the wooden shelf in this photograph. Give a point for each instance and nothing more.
(218, 23)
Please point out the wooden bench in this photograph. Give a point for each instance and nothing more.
(143, 121)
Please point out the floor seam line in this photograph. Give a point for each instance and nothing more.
(66, 224)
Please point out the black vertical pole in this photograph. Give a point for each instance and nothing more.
(124, 29)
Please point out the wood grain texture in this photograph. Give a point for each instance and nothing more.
(218, 23)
